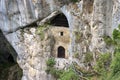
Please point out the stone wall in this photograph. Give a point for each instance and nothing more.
(89, 21)
(61, 40)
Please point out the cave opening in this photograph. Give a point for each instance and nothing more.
(61, 52)
(8, 60)
(59, 20)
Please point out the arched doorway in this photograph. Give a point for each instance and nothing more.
(61, 52)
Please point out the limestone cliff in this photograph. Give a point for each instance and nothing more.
(88, 21)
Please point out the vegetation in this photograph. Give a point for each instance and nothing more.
(88, 57)
(110, 70)
(76, 55)
(69, 75)
(60, 74)
(41, 30)
(108, 40)
(115, 68)
(103, 63)
(51, 70)
(50, 62)
(115, 65)
(78, 36)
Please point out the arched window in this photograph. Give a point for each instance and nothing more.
(61, 52)
(59, 20)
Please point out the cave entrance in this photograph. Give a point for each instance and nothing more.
(8, 60)
(61, 52)
(59, 20)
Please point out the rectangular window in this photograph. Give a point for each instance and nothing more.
(61, 33)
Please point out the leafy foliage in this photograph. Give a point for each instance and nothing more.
(60, 74)
(88, 57)
(69, 75)
(50, 62)
(103, 63)
(108, 40)
(116, 38)
(115, 65)
(114, 70)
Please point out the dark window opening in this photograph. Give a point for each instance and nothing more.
(59, 20)
(61, 33)
(61, 52)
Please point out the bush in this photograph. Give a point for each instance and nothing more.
(50, 62)
(41, 29)
(88, 57)
(115, 66)
(60, 74)
(103, 63)
(116, 39)
(78, 36)
(108, 40)
(76, 55)
(69, 75)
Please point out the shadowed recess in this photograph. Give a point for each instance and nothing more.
(9, 69)
(59, 20)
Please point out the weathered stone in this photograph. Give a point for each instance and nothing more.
(92, 18)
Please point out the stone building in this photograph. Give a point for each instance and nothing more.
(60, 31)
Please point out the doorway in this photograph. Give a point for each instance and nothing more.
(61, 52)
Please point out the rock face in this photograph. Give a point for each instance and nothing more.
(89, 21)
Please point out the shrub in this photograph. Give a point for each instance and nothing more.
(108, 40)
(60, 74)
(69, 75)
(50, 62)
(88, 57)
(116, 39)
(76, 55)
(78, 36)
(41, 29)
(103, 63)
(115, 66)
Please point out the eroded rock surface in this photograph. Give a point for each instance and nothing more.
(89, 21)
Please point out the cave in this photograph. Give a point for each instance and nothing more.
(60, 20)
(9, 69)
(61, 52)
(7, 52)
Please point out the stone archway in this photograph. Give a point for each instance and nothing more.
(61, 52)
